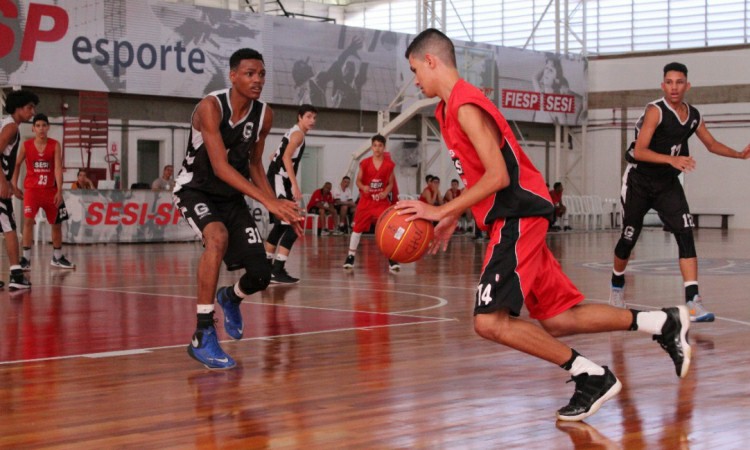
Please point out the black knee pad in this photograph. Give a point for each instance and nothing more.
(627, 241)
(685, 243)
(275, 234)
(289, 237)
(257, 276)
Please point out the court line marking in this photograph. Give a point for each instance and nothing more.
(441, 301)
(146, 350)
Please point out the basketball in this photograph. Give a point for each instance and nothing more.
(402, 241)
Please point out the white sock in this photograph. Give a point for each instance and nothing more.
(27, 253)
(57, 253)
(619, 274)
(281, 257)
(583, 365)
(354, 243)
(205, 309)
(269, 255)
(651, 322)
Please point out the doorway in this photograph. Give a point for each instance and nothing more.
(148, 161)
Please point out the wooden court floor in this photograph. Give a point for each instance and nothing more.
(96, 358)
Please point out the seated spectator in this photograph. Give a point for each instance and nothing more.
(431, 193)
(83, 181)
(321, 203)
(557, 194)
(165, 182)
(343, 201)
(465, 220)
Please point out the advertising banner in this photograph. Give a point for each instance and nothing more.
(123, 216)
(177, 50)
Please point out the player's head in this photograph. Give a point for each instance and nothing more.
(558, 187)
(428, 178)
(247, 72)
(21, 103)
(454, 184)
(435, 181)
(242, 54)
(168, 171)
(40, 125)
(430, 54)
(346, 181)
(675, 83)
(677, 67)
(378, 144)
(327, 186)
(306, 116)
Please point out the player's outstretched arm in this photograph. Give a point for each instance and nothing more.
(7, 133)
(716, 147)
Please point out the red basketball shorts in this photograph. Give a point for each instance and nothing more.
(519, 269)
(36, 199)
(367, 214)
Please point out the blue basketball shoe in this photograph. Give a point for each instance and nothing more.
(205, 349)
(232, 313)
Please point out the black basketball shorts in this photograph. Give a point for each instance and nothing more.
(640, 193)
(245, 242)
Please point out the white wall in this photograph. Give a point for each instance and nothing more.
(717, 184)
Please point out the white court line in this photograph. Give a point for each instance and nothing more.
(259, 338)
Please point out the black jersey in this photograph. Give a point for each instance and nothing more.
(239, 139)
(277, 163)
(9, 153)
(670, 138)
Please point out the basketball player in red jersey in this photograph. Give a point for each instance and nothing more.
(375, 181)
(509, 196)
(43, 190)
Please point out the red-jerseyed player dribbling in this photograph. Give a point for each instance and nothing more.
(508, 196)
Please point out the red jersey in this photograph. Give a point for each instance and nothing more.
(376, 179)
(555, 196)
(318, 196)
(526, 196)
(40, 167)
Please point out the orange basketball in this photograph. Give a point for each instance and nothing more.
(402, 241)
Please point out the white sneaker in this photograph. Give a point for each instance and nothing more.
(617, 297)
(698, 313)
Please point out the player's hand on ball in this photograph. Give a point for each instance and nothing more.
(443, 232)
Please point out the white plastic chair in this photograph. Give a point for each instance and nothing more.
(595, 211)
(575, 211)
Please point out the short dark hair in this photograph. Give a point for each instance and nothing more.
(19, 99)
(675, 66)
(379, 138)
(244, 53)
(41, 116)
(555, 186)
(428, 177)
(306, 108)
(435, 179)
(346, 177)
(454, 181)
(81, 170)
(437, 42)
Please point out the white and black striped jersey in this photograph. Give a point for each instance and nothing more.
(239, 139)
(9, 153)
(670, 138)
(277, 162)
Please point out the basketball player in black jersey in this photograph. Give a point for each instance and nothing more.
(282, 176)
(223, 162)
(656, 158)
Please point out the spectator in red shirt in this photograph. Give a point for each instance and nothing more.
(321, 203)
(557, 194)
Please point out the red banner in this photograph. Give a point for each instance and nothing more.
(537, 101)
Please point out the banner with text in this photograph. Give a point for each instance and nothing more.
(123, 216)
(177, 50)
